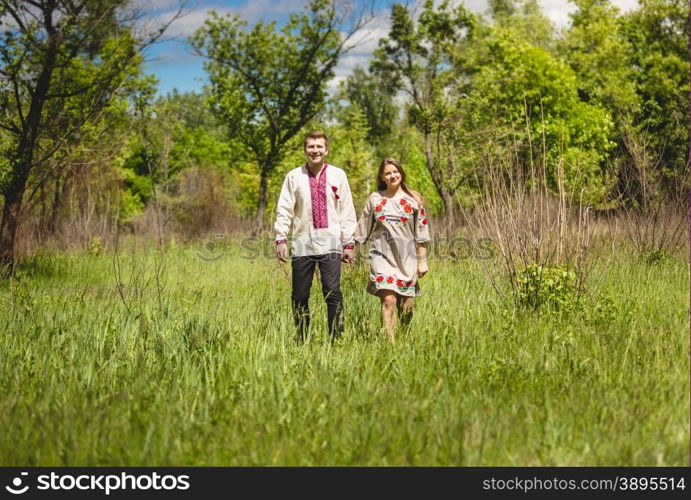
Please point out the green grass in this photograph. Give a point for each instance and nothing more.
(203, 369)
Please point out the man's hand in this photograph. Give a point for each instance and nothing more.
(421, 268)
(282, 251)
(348, 255)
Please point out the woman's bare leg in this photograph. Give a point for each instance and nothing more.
(405, 310)
(388, 312)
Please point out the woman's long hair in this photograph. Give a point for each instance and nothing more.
(381, 185)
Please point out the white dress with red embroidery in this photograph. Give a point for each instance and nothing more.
(394, 227)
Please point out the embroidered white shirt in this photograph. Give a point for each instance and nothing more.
(294, 208)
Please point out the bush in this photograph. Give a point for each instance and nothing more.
(95, 246)
(539, 286)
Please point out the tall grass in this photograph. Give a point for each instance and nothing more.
(203, 369)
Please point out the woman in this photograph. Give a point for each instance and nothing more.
(395, 221)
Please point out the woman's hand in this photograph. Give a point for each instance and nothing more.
(421, 268)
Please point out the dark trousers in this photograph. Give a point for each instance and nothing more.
(330, 271)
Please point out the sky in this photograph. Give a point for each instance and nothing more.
(176, 65)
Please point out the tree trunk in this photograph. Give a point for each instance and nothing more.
(442, 190)
(24, 157)
(10, 216)
(267, 167)
(448, 207)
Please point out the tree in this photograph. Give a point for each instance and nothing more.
(62, 63)
(80, 180)
(267, 83)
(658, 33)
(525, 19)
(374, 99)
(354, 152)
(416, 58)
(176, 162)
(527, 92)
(601, 57)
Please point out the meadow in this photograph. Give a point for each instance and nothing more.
(188, 357)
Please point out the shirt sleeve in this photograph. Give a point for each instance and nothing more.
(346, 212)
(285, 208)
(421, 225)
(366, 223)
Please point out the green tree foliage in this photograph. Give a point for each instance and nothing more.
(352, 151)
(61, 63)
(415, 58)
(178, 155)
(374, 98)
(532, 97)
(74, 195)
(407, 145)
(267, 83)
(524, 19)
(601, 57)
(659, 35)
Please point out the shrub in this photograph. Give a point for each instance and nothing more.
(539, 286)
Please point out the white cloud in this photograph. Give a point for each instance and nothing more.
(366, 40)
(197, 11)
(154, 5)
(189, 22)
(253, 10)
(348, 63)
(335, 82)
(558, 10)
(362, 44)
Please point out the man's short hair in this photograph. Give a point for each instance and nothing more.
(317, 134)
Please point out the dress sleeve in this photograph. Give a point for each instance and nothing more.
(366, 222)
(285, 209)
(421, 225)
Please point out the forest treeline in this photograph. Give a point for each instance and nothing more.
(596, 111)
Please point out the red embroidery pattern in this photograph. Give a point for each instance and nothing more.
(320, 216)
(403, 286)
(404, 207)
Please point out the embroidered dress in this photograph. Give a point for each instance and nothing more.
(394, 227)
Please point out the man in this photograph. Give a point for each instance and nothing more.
(316, 200)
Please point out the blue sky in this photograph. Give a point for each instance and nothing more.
(176, 66)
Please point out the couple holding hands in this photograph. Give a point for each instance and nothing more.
(316, 200)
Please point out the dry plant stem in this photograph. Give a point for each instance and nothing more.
(117, 272)
(529, 224)
(653, 222)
